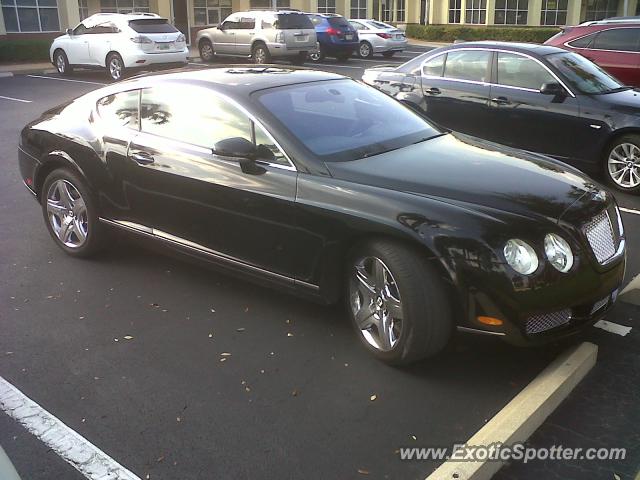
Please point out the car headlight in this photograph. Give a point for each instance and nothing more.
(520, 256)
(558, 252)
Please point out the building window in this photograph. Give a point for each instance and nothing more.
(400, 11)
(511, 12)
(358, 9)
(601, 9)
(455, 9)
(387, 10)
(476, 11)
(269, 4)
(83, 9)
(124, 6)
(326, 6)
(30, 15)
(554, 12)
(210, 12)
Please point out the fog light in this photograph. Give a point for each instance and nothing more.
(490, 321)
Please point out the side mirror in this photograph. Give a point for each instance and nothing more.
(70, 31)
(242, 149)
(221, 26)
(552, 88)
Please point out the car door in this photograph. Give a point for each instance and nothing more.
(77, 46)
(456, 90)
(245, 33)
(102, 37)
(224, 37)
(617, 50)
(178, 187)
(524, 117)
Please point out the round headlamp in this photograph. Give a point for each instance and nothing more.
(520, 256)
(558, 252)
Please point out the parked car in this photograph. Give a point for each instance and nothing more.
(329, 188)
(612, 44)
(537, 98)
(379, 37)
(260, 35)
(336, 37)
(120, 42)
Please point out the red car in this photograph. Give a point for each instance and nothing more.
(612, 44)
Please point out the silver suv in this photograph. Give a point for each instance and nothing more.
(261, 35)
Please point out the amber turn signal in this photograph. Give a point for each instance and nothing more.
(490, 321)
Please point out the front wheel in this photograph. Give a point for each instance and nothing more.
(622, 164)
(115, 67)
(261, 54)
(70, 214)
(397, 303)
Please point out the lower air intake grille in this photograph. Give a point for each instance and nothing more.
(547, 321)
(600, 236)
(599, 304)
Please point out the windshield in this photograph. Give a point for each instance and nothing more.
(293, 21)
(583, 75)
(343, 120)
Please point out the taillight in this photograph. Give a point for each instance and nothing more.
(384, 35)
(181, 38)
(141, 39)
(332, 31)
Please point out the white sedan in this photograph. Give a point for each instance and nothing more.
(119, 42)
(378, 37)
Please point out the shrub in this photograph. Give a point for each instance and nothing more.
(449, 33)
(27, 50)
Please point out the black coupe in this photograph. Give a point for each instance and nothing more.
(329, 188)
(534, 97)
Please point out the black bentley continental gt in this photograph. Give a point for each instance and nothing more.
(331, 189)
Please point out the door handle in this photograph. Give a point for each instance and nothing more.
(501, 101)
(434, 91)
(142, 158)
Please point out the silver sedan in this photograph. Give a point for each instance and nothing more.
(378, 37)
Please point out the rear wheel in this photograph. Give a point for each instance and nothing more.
(365, 50)
(622, 163)
(206, 51)
(397, 302)
(299, 59)
(388, 54)
(115, 66)
(260, 54)
(62, 63)
(317, 56)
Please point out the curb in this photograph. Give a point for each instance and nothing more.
(525, 413)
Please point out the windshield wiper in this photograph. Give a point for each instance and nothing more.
(619, 89)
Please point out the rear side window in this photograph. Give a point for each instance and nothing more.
(120, 109)
(338, 22)
(152, 25)
(621, 39)
(467, 65)
(583, 42)
(434, 67)
(293, 21)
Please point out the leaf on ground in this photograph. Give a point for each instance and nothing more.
(241, 329)
(160, 459)
(616, 476)
(294, 393)
(128, 337)
(362, 471)
(373, 397)
(223, 359)
(211, 335)
(289, 334)
(225, 354)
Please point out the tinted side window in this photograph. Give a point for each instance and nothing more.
(467, 65)
(583, 42)
(316, 20)
(293, 21)
(624, 39)
(247, 23)
(433, 68)
(518, 71)
(120, 109)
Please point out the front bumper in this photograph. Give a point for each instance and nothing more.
(142, 59)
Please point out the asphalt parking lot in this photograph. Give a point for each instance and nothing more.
(178, 372)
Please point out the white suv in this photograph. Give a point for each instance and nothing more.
(119, 42)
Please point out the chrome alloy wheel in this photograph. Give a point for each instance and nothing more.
(624, 165)
(375, 303)
(315, 56)
(206, 52)
(260, 55)
(365, 49)
(60, 63)
(115, 68)
(67, 213)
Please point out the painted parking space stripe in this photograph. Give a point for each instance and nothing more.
(612, 327)
(76, 450)
(66, 80)
(629, 210)
(15, 99)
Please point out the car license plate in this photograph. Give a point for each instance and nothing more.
(163, 46)
(348, 37)
(302, 38)
(399, 37)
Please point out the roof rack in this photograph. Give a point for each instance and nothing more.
(107, 14)
(634, 19)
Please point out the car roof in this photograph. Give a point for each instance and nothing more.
(237, 80)
(98, 18)
(531, 48)
(325, 15)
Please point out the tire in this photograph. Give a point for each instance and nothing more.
(61, 62)
(318, 56)
(622, 163)
(412, 289)
(79, 234)
(206, 51)
(365, 50)
(299, 59)
(260, 54)
(115, 67)
(388, 54)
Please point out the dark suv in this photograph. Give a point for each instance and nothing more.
(336, 36)
(612, 44)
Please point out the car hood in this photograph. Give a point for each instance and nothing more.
(627, 101)
(463, 169)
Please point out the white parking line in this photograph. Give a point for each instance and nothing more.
(66, 80)
(15, 99)
(85, 457)
(629, 210)
(612, 327)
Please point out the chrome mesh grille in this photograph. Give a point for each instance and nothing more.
(547, 321)
(599, 304)
(600, 236)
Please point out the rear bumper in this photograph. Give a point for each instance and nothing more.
(391, 46)
(142, 59)
(282, 50)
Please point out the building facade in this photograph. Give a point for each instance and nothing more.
(43, 18)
